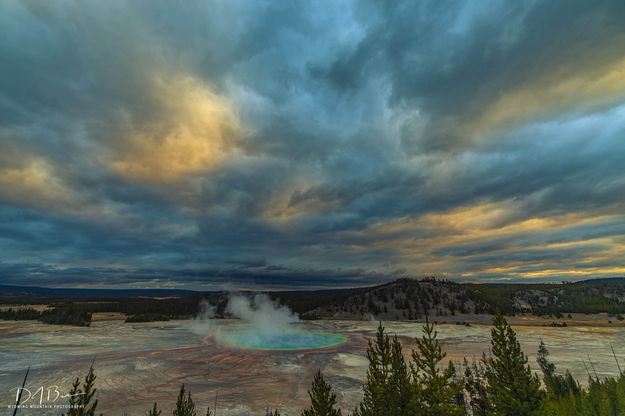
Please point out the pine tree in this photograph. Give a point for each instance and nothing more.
(184, 405)
(388, 389)
(476, 388)
(154, 411)
(322, 399)
(74, 397)
(437, 393)
(546, 367)
(512, 388)
(89, 391)
(377, 400)
(557, 386)
(402, 394)
(80, 399)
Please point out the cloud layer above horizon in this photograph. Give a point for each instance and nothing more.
(271, 144)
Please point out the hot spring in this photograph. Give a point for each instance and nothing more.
(264, 325)
(290, 339)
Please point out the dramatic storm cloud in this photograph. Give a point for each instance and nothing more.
(242, 144)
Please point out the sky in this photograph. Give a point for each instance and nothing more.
(302, 144)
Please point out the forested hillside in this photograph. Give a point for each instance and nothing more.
(412, 299)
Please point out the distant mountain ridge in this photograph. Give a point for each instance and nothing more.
(402, 299)
(9, 291)
(604, 280)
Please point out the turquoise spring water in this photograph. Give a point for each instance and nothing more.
(289, 340)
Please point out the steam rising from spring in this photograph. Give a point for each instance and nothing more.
(264, 315)
(265, 325)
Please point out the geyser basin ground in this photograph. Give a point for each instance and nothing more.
(287, 340)
(141, 363)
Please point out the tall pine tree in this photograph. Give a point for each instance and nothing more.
(401, 391)
(377, 400)
(387, 390)
(437, 392)
(512, 388)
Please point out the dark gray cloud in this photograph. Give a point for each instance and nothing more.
(294, 143)
(257, 277)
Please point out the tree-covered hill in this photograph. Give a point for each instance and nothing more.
(412, 299)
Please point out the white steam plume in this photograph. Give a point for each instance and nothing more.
(261, 313)
(203, 323)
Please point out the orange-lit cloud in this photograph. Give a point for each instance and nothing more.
(191, 130)
(288, 203)
(37, 183)
(547, 94)
(418, 244)
(33, 183)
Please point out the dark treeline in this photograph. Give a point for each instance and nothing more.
(147, 317)
(69, 315)
(19, 314)
(156, 309)
(500, 384)
(66, 315)
(73, 312)
(172, 308)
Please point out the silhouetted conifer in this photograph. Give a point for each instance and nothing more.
(376, 399)
(476, 387)
(81, 398)
(154, 411)
(321, 398)
(184, 405)
(387, 388)
(512, 388)
(556, 385)
(401, 389)
(437, 392)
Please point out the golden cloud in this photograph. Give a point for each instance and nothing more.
(548, 94)
(411, 242)
(34, 183)
(189, 130)
(282, 207)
